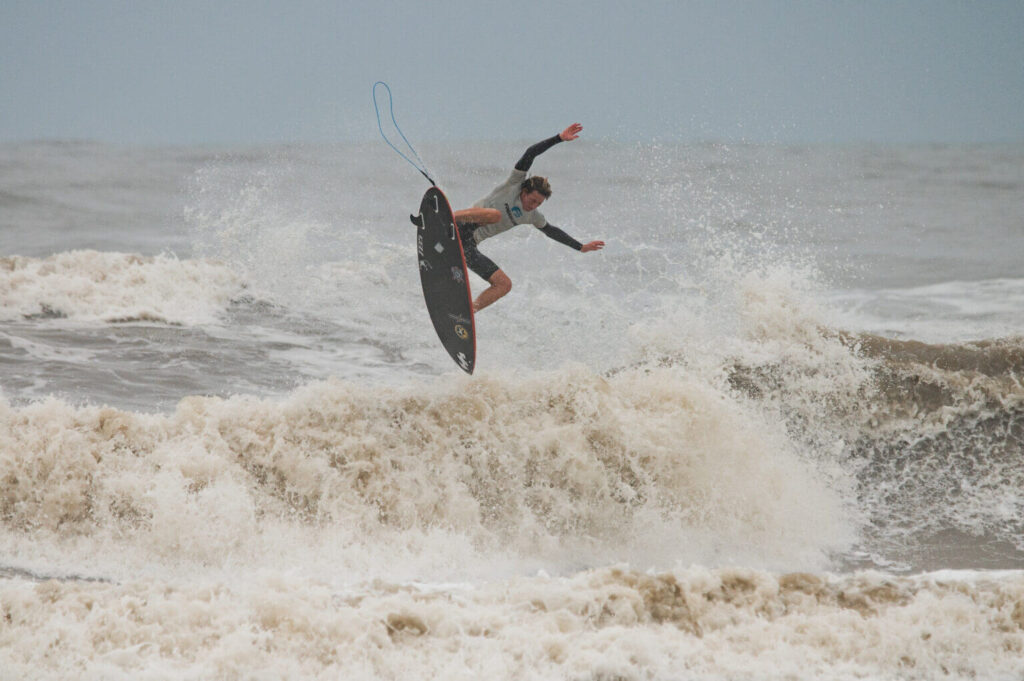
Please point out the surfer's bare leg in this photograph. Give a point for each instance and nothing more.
(500, 285)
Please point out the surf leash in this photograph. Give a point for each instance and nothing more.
(421, 166)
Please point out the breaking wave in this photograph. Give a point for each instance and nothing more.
(115, 287)
(648, 464)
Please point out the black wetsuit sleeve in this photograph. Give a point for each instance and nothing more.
(536, 150)
(561, 237)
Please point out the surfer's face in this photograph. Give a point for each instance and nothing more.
(531, 200)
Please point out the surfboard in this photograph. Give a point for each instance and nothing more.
(444, 278)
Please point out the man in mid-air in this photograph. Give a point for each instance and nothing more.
(514, 202)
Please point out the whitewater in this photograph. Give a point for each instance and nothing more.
(774, 430)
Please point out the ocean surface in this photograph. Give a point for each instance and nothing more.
(775, 430)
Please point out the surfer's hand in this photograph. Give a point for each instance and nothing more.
(592, 246)
(571, 133)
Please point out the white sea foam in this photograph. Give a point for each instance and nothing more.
(113, 287)
(567, 468)
(605, 623)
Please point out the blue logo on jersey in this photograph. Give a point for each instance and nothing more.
(517, 211)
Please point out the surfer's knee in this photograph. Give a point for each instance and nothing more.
(501, 282)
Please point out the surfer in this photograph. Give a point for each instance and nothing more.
(513, 202)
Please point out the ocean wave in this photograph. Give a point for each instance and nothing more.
(943, 444)
(922, 378)
(933, 432)
(115, 287)
(609, 623)
(890, 383)
(647, 462)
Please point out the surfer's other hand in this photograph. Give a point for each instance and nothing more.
(571, 133)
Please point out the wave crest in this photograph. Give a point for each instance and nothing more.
(115, 287)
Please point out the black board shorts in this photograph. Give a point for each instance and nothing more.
(476, 261)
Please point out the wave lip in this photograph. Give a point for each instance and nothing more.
(113, 287)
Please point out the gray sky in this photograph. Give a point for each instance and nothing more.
(219, 72)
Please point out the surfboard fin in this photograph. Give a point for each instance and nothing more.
(416, 220)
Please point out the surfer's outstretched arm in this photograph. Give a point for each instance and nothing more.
(567, 135)
(561, 237)
(478, 216)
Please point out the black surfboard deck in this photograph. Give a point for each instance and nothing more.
(444, 278)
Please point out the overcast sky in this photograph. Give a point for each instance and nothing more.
(212, 72)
